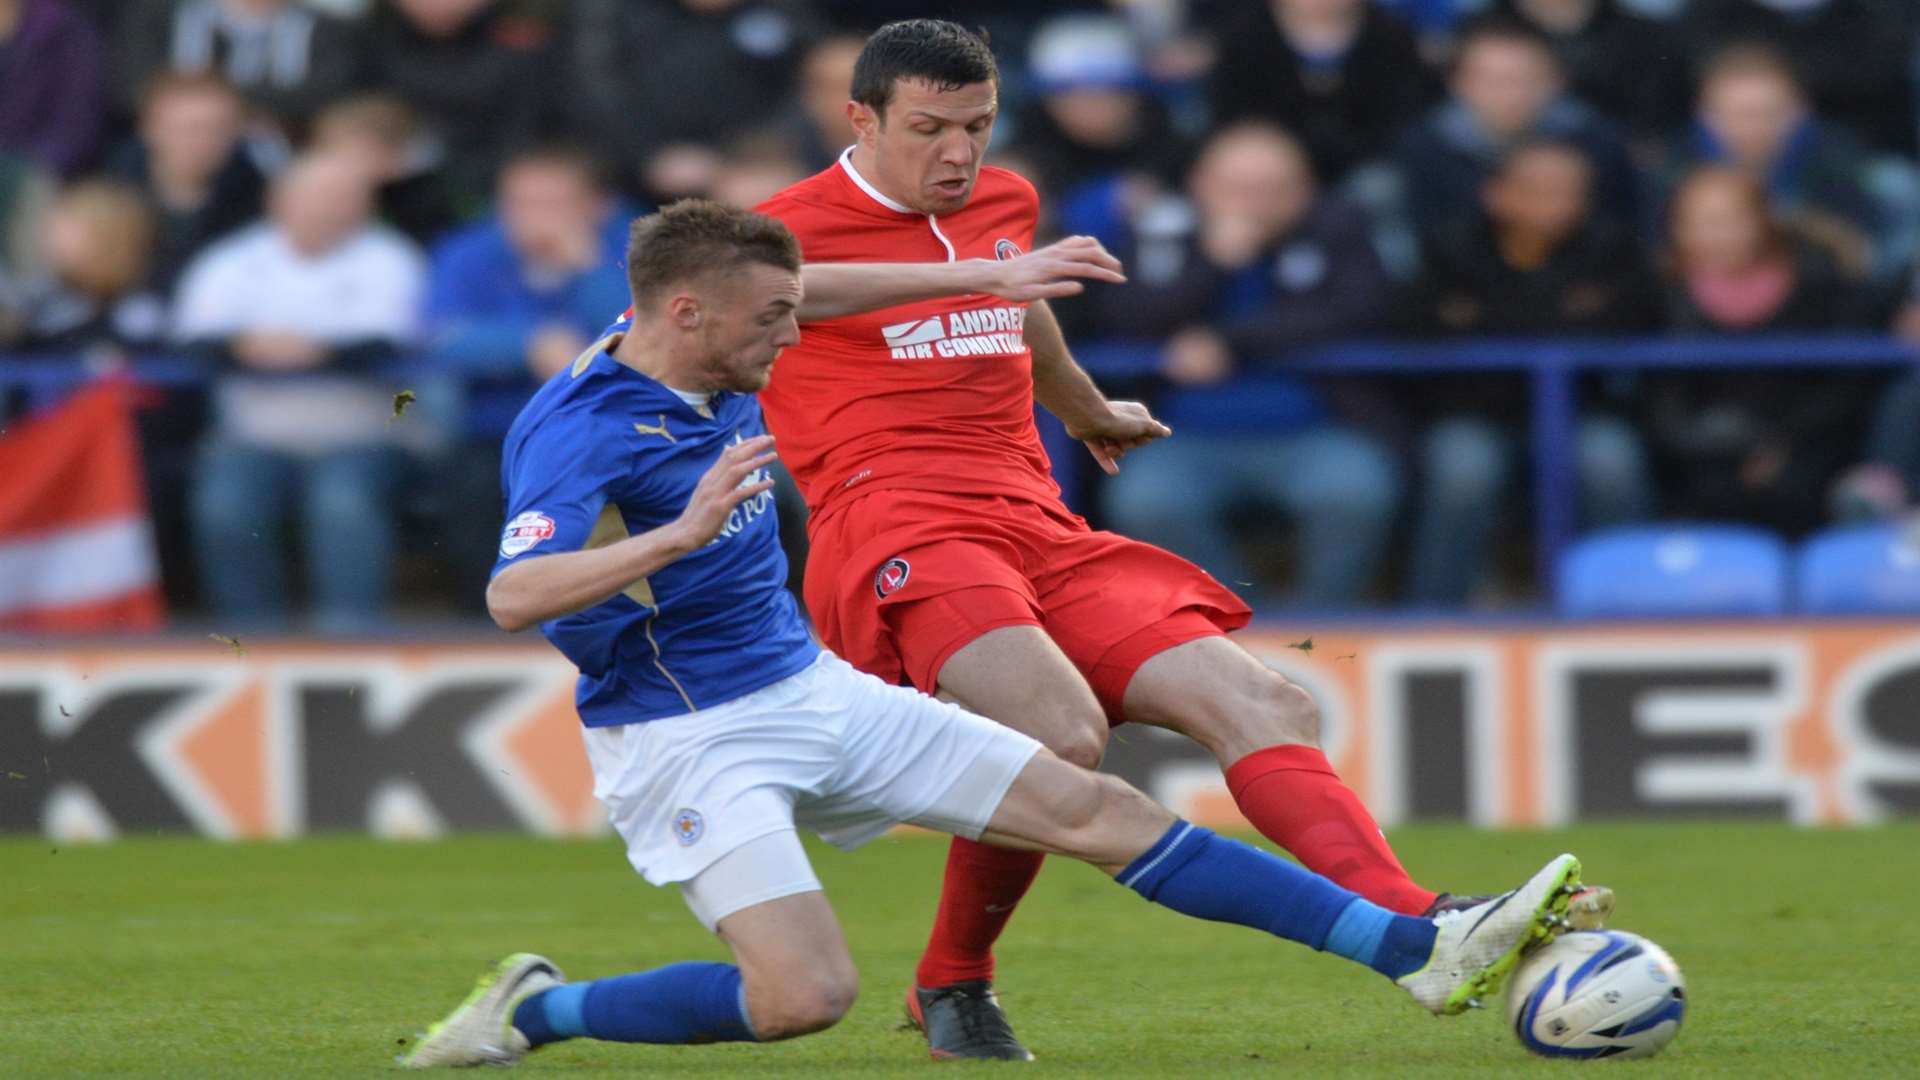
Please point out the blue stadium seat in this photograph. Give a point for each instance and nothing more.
(1674, 570)
(1860, 569)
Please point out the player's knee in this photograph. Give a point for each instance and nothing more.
(1269, 711)
(1293, 712)
(807, 1005)
(1082, 744)
(1075, 731)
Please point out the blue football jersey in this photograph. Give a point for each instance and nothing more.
(602, 453)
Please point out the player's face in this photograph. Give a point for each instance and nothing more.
(928, 147)
(749, 317)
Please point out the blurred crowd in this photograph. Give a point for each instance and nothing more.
(310, 196)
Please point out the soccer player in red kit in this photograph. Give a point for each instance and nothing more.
(941, 553)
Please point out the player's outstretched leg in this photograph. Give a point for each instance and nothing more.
(792, 976)
(524, 1003)
(1265, 731)
(1447, 964)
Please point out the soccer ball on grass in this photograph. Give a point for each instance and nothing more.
(1597, 993)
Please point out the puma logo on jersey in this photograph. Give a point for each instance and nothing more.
(659, 429)
(991, 331)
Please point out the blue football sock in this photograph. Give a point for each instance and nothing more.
(689, 1002)
(1386, 941)
(1197, 873)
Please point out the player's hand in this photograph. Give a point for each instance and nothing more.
(1127, 426)
(724, 487)
(1062, 268)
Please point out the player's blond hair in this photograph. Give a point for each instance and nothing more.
(695, 237)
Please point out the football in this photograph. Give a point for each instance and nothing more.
(1596, 994)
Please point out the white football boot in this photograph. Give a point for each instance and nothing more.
(480, 1031)
(1478, 946)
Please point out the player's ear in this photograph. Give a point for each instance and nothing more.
(864, 119)
(684, 310)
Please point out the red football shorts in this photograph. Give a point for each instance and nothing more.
(899, 580)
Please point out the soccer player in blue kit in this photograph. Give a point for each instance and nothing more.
(641, 538)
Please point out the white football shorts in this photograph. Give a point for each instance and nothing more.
(830, 748)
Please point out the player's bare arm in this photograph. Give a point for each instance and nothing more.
(556, 585)
(1061, 268)
(1109, 428)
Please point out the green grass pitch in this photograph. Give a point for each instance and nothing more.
(176, 957)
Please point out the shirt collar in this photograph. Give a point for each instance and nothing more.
(846, 162)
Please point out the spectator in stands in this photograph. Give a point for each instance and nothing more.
(1507, 87)
(301, 310)
(667, 152)
(1534, 263)
(1855, 56)
(285, 59)
(817, 122)
(96, 303)
(1735, 268)
(1345, 74)
(1258, 265)
(1753, 116)
(383, 134)
(1750, 446)
(1885, 484)
(51, 102)
(1097, 140)
(193, 168)
(755, 169)
(1631, 68)
(26, 195)
(514, 300)
(96, 243)
(477, 75)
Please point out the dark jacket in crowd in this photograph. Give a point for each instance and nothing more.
(300, 62)
(484, 92)
(1713, 431)
(1595, 283)
(1346, 110)
(1157, 149)
(703, 78)
(1322, 280)
(1447, 158)
(51, 102)
(1633, 69)
(236, 199)
(1855, 56)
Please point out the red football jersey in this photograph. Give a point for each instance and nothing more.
(936, 395)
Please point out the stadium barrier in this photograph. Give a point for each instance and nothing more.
(1552, 368)
(1528, 724)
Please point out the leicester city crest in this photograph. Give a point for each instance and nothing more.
(688, 827)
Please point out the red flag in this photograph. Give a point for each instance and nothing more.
(76, 545)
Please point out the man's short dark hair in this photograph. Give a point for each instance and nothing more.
(572, 156)
(1507, 30)
(695, 237)
(935, 51)
(1747, 58)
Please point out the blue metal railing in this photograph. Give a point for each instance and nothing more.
(1551, 366)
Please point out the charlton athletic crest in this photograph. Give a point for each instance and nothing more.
(688, 827)
(1006, 249)
(891, 578)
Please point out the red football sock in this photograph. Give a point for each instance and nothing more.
(982, 886)
(1293, 796)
